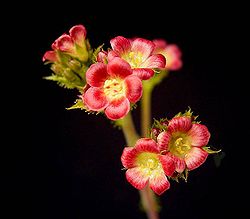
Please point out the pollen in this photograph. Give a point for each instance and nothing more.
(149, 163)
(114, 89)
(180, 146)
(135, 59)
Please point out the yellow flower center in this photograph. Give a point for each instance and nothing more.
(114, 89)
(134, 59)
(180, 145)
(149, 163)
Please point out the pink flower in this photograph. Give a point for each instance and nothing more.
(112, 88)
(138, 53)
(171, 52)
(183, 141)
(74, 44)
(145, 165)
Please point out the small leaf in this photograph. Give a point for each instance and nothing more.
(78, 105)
(210, 151)
(95, 53)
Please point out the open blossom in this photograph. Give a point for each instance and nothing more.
(171, 52)
(74, 44)
(145, 165)
(183, 141)
(112, 88)
(138, 52)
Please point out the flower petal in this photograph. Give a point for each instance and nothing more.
(175, 65)
(179, 124)
(195, 158)
(117, 109)
(102, 56)
(120, 45)
(128, 157)
(168, 164)
(133, 88)
(143, 73)
(96, 74)
(174, 50)
(163, 140)
(111, 55)
(159, 183)
(118, 67)
(50, 56)
(155, 61)
(180, 164)
(159, 44)
(199, 135)
(65, 44)
(78, 34)
(137, 178)
(146, 145)
(143, 47)
(95, 99)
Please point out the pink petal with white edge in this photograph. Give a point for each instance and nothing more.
(133, 88)
(78, 34)
(163, 140)
(159, 183)
(146, 145)
(65, 43)
(199, 135)
(50, 56)
(174, 50)
(97, 74)
(195, 158)
(168, 164)
(137, 178)
(118, 67)
(154, 61)
(143, 73)
(160, 43)
(180, 124)
(117, 109)
(120, 45)
(180, 164)
(95, 99)
(175, 65)
(142, 47)
(128, 157)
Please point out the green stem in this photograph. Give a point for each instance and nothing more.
(146, 110)
(148, 197)
(129, 130)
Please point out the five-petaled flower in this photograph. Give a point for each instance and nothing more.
(112, 88)
(171, 52)
(145, 165)
(138, 52)
(183, 141)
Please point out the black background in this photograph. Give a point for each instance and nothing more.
(66, 164)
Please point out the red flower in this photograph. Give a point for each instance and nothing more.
(112, 88)
(138, 53)
(145, 165)
(73, 44)
(171, 52)
(183, 141)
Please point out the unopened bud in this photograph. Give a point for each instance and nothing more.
(57, 68)
(74, 65)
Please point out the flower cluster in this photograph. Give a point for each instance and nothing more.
(177, 146)
(69, 58)
(109, 81)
